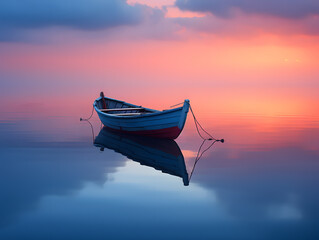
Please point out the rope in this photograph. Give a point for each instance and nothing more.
(177, 104)
(86, 119)
(198, 124)
(92, 129)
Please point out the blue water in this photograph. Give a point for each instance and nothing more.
(56, 184)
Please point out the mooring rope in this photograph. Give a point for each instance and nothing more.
(198, 124)
(177, 104)
(92, 129)
(86, 119)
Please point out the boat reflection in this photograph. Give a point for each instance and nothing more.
(161, 154)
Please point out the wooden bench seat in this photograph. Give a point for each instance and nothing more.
(127, 114)
(120, 109)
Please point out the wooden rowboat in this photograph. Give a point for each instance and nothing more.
(133, 119)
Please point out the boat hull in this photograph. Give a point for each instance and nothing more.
(166, 124)
(166, 133)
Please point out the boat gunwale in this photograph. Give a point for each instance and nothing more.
(151, 114)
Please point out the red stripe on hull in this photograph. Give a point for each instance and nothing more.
(167, 133)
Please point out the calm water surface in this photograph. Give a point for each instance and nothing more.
(57, 183)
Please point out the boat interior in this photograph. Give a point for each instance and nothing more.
(120, 108)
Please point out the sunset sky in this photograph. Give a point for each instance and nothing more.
(252, 56)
